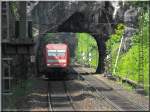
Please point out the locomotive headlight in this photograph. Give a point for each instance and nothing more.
(48, 64)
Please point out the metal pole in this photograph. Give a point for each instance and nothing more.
(141, 52)
(0, 65)
(114, 71)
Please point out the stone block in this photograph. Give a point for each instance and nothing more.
(22, 50)
(10, 50)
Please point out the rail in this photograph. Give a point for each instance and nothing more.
(118, 101)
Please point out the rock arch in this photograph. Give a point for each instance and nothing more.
(94, 18)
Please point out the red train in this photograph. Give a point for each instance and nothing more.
(57, 57)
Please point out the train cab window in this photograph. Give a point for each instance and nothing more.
(56, 52)
(60, 53)
(51, 53)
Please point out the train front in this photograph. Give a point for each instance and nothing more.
(57, 56)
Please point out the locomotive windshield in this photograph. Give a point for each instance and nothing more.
(56, 52)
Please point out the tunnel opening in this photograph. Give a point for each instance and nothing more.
(82, 47)
(87, 51)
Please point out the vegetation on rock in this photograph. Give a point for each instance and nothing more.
(128, 62)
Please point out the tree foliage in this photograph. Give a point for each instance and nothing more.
(116, 37)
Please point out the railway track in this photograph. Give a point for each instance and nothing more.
(59, 99)
(49, 98)
(112, 97)
(119, 102)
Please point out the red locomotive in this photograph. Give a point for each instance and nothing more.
(57, 57)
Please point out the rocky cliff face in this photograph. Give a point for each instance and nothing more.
(131, 23)
(73, 16)
(91, 17)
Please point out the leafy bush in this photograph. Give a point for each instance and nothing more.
(115, 38)
(128, 63)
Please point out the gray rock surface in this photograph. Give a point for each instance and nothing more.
(131, 17)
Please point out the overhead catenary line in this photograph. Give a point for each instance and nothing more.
(141, 52)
